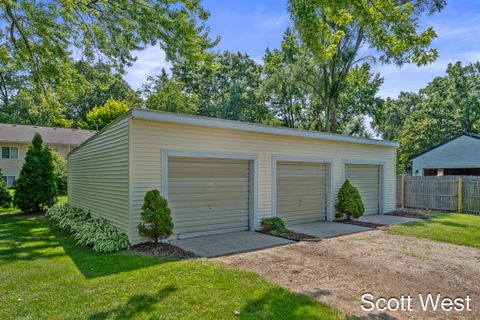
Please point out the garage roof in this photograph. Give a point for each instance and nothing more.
(161, 116)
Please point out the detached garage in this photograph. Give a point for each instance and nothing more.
(223, 176)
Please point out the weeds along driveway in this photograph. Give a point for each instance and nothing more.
(338, 271)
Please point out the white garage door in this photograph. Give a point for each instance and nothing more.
(208, 196)
(301, 191)
(366, 178)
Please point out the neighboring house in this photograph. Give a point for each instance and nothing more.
(224, 176)
(458, 156)
(15, 139)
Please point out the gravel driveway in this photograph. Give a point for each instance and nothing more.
(338, 271)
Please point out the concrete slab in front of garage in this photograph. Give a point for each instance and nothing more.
(324, 229)
(229, 243)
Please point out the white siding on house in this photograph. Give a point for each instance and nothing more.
(98, 175)
(463, 152)
(148, 139)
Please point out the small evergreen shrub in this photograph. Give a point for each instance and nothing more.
(85, 230)
(5, 198)
(274, 225)
(157, 218)
(349, 203)
(35, 188)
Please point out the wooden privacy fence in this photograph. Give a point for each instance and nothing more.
(450, 193)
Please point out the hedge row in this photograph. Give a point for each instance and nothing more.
(89, 231)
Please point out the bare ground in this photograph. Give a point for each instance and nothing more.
(338, 271)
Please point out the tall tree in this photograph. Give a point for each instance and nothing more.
(337, 32)
(449, 106)
(226, 86)
(388, 120)
(283, 86)
(164, 93)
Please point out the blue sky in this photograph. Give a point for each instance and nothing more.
(251, 26)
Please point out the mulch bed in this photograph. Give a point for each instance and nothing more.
(364, 224)
(294, 236)
(162, 250)
(408, 214)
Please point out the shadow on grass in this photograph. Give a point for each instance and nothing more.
(280, 303)
(27, 237)
(136, 304)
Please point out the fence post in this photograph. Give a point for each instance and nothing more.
(402, 191)
(459, 194)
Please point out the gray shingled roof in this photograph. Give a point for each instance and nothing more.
(24, 134)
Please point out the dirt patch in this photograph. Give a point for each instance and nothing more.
(410, 213)
(294, 236)
(162, 250)
(338, 271)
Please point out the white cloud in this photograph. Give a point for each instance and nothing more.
(149, 62)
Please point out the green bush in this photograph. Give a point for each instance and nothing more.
(5, 198)
(274, 225)
(35, 188)
(157, 218)
(85, 230)
(349, 202)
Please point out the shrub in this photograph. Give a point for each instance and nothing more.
(157, 218)
(349, 202)
(85, 230)
(274, 225)
(5, 198)
(35, 188)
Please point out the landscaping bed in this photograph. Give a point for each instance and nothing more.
(162, 250)
(364, 224)
(294, 236)
(409, 213)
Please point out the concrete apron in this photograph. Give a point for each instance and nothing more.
(229, 243)
(324, 229)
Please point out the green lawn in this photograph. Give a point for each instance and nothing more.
(461, 229)
(43, 275)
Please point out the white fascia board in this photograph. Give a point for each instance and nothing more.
(154, 115)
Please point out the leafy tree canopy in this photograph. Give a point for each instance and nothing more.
(37, 38)
(101, 116)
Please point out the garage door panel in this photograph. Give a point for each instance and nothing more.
(301, 191)
(208, 196)
(366, 178)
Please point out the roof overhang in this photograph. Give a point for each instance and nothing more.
(160, 116)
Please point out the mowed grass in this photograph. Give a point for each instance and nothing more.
(461, 229)
(44, 275)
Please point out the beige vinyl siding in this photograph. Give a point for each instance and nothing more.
(301, 191)
(149, 138)
(98, 175)
(366, 178)
(208, 196)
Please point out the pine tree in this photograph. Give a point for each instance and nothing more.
(35, 188)
(349, 202)
(157, 219)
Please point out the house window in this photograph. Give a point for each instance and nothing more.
(10, 180)
(9, 153)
